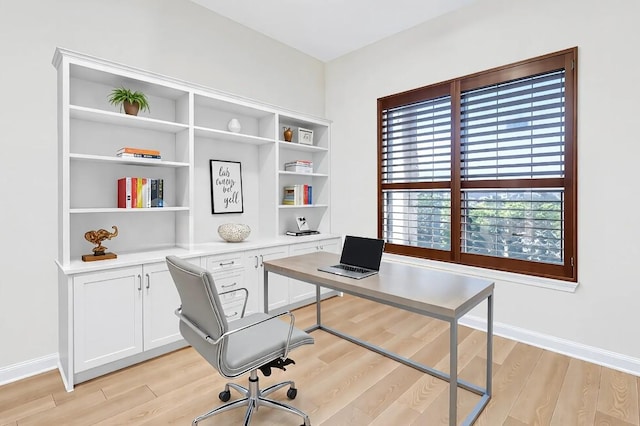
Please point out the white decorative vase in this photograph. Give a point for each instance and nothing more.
(234, 125)
(234, 232)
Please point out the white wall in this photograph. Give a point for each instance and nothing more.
(603, 312)
(172, 37)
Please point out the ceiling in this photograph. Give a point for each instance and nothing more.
(327, 29)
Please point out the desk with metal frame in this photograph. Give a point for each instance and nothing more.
(439, 295)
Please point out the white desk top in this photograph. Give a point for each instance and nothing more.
(410, 287)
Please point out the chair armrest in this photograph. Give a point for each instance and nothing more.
(245, 298)
(212, 341)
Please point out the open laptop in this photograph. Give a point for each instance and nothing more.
(360, 258)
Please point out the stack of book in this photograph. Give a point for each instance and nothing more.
(297, 195)
(299, 166)
(140, 192)
(129, 152)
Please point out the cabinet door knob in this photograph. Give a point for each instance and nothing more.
(139, 282)
(148, 281)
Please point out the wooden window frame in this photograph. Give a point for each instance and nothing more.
(565, 59)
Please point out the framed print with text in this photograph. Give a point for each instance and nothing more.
(226, 187)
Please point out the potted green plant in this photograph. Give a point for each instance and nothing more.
(131, 101)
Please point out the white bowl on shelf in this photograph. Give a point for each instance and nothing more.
(234, 232)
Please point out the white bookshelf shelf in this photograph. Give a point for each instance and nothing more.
(302, 206)
(120, 119)
(301, 147)
(132, 161)
(284, 173)
(133, 211)
(204, 132)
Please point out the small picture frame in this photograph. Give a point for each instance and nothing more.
(302, 223)
(226, 187)
(305, 136)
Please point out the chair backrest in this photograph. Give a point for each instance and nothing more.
(201, 305)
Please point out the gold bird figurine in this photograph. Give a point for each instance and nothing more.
(97, 237)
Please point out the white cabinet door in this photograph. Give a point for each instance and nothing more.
(107, 316)
(300, 290)
(278, 284)
(160, 300)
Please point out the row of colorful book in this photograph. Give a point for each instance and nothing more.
(130, 152)
(297, 195)
(140, 192)
(299, 166)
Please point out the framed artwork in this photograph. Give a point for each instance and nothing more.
(305, 136)
(226, 187)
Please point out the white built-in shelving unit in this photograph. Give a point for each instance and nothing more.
(116, 312)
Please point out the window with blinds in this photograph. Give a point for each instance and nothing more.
(481, 170)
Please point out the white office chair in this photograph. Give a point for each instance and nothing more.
(258, 341)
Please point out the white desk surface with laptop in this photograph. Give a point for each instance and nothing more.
(440, 295)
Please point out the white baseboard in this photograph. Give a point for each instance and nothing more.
(591, 354)
(22, 370)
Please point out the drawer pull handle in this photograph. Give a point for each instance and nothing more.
(256, 262)
(228, 285)
(261, 261)
(148, 281)
(227, 263)
(232, 315)
(139, 282)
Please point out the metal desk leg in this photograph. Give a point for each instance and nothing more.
(453, 372)
(318, 323)
(266, 291)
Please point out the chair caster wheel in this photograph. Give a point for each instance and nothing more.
(224, 396)
(292, 393)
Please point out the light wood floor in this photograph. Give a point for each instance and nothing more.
(340, 383)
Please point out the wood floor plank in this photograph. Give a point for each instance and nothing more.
(508, 383)
(618, 397)
(515, 422)
(602, 419)
(71, 413)
(372, 402)
(29, 389)
(43, 404)
(501, 349)
(536, 405)
(577, 400)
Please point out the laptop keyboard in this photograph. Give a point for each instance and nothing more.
(352, 268)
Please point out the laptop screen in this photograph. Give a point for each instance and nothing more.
(362, 252)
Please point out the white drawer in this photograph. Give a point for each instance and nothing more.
(227, 281)
(223, 262)
(233, 309)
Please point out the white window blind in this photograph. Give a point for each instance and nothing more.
(417, 142)
(417, 148)
(514, 129)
